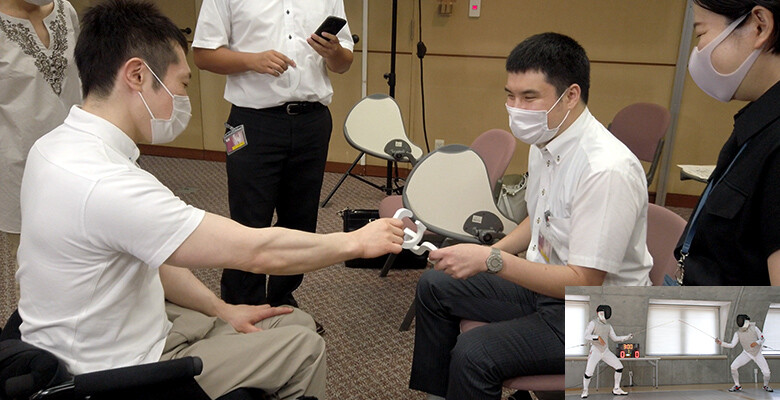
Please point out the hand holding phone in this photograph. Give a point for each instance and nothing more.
(332, 25)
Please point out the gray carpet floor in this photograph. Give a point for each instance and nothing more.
(368, 358)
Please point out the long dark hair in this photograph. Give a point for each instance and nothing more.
(733, 9)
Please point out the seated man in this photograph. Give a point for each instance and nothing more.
(587, 206)
(104, 243)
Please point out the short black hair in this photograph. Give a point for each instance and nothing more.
(114, 31)
(733, 9)
(560, 58)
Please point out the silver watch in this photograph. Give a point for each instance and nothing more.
(494, 261)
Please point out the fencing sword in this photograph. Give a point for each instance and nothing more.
(697, 329)
(653, 327)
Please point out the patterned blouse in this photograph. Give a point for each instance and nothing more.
(39, 85)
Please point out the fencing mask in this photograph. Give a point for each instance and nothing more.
(606, 309)
(741, 318)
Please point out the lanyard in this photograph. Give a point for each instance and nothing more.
(692, 224)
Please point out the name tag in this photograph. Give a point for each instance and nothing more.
(235, 139)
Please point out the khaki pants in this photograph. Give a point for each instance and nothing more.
(287, 358)
(13, 247)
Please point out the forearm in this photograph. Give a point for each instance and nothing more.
(773, 264)
(546, 279)
(340, 62)
(221, 61)
(516, 241)
(219, 242)
(186, 290)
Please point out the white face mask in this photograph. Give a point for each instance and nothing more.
(39, 2)
(530, 126)
(166, 130)
(601, 316)
(720, 86)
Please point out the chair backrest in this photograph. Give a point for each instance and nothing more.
(642, 127)
(375, 121)
(446, 187)
(664, 229)
(496, 147)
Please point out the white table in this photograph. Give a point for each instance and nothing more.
(653, 361)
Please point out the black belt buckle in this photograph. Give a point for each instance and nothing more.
(294, 108)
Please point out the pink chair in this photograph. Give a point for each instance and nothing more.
(543, 386)
(642, 127)
(664, 229)
(496, 148)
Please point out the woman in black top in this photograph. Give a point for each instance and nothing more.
(733, 237)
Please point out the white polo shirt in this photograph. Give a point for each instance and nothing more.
(281, 25)
(587, 204)
(95, 229)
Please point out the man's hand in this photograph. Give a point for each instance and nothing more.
(270, 62)
(380, 237)
(460, 261)
(326, 47)
(718, 341)
(754, 344)
(603, 343)
(243, 317)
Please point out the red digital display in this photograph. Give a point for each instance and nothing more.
(628, 350)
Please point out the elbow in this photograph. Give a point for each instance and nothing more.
(199, 56)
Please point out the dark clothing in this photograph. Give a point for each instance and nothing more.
(739, 226)
(525, 336)
(281, 168)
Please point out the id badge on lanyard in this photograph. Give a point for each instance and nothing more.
(235, 139)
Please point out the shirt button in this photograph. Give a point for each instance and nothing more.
(288, 11)
(558, 158)
(538, 220)
(533, 248)
(542, 192)
(289, 37)
(548, 163)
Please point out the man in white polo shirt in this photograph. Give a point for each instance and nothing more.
(104, 243)
(586, 225)
(277, 81)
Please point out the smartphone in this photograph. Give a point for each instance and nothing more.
(332, 25)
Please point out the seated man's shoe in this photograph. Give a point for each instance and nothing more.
(319, 328)
(768, 389)
(735, 388)
(619, 392)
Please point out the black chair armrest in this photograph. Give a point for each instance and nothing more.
(136, 376)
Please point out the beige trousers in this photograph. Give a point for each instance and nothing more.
(13, 243)
(286, 358)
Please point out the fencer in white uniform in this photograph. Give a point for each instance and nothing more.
(597, 334)
(751, 339)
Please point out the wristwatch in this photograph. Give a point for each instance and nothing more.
(494, 261)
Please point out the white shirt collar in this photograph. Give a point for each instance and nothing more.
(110, 134)
(561, 145)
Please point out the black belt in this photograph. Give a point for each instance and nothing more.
(295, 107)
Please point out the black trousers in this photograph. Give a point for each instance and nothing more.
(281, 169)
(525, 336)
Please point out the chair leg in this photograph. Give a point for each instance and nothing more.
(343, 177)
(407, 322)
(388, 264)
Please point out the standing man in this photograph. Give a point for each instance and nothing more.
(278, 84)
(751, 339)
(587, 224)
(40, 83)
(597, 334)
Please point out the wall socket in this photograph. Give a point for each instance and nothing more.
(438, 143)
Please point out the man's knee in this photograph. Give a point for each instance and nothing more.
(431, 286)
(298, 317)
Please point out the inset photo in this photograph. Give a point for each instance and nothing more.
(697, 343)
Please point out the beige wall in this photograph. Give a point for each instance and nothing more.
(632, 45)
